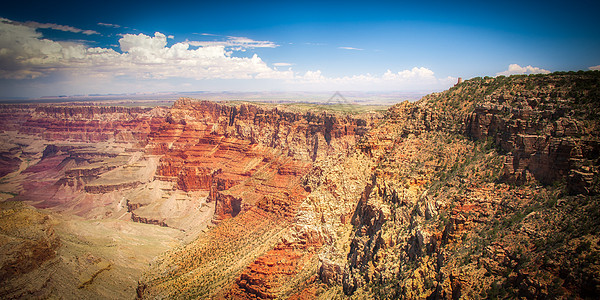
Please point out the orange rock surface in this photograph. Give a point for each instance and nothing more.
(487, 190)
(245, 155)
(244, 162)
(251, 160)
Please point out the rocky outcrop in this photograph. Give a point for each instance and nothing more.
(251, 160)
(13, 116)
(9, 162)
(541, 143)
(91, 123)
(136, 218)
(228, 206)
(304, 136)
(216, 147)
(464, 186)
(487, 190)
(246, 160)
(27, 240)
(106, 188)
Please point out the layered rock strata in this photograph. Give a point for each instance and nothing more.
(231, 174)
(251, 160)
(472, 190)
(487, 190)
(247, 152)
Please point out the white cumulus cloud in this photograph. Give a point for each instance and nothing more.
(143, 62)
(595, 68)
(152, 56)
(26, 54)
(515, 69)
(412, 74)
(415, 79)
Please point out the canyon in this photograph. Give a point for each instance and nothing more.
(489, 189)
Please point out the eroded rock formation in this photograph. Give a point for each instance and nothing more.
(251, 160)
(489, 189)
(201, 167)
(473, 188)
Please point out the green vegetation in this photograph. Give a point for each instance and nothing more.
(303, 107)
(499, 230)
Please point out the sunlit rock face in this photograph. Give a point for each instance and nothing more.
(489, 189)
(190, 167)
(251, 160)
(224, 149)
(475, 192)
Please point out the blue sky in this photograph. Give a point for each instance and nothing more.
(75, 47)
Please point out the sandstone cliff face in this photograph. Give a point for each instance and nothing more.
(544, 131)
(215, 147)
(251, 160)
(87, 161)
(305, 136)
(92, 124)
(472, 203)
(178, 170)
(489, 189)
(12, 117)
(9, 161)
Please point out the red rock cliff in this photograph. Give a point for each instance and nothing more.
(223, 149)
(92, 123)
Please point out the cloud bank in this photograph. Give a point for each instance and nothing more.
(415, 79)
(141, 61)
(25, 54)
(515, 69)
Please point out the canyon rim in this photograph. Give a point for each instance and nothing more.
(486, 190)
